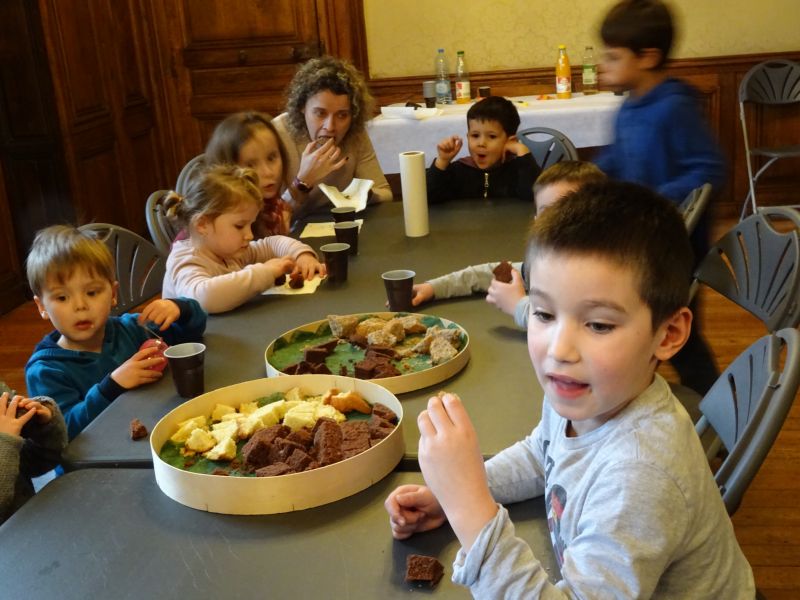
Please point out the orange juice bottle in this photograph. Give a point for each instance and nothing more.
(563, 74)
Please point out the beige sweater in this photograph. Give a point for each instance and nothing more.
(223, 285)
(362, 164)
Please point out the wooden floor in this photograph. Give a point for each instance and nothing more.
(768, 521)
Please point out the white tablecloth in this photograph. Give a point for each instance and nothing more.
(586, 120)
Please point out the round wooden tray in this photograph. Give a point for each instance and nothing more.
(400, 383)
(284, 493)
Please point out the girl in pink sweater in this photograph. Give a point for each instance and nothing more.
(220, 265)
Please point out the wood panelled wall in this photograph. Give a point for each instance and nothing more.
(103, 101)
(717, 79)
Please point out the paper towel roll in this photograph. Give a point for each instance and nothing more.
(415, 196)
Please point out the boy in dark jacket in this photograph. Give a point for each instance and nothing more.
(32, 436)
(498, 165)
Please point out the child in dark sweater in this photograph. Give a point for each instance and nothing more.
(498, 165)
(32, 436)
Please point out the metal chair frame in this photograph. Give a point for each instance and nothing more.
(747, 407)
(554, 147)
(695, 204)
(140, 267)
(772, 82)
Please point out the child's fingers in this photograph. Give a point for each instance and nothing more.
(438, 414)
(25, 417)
(426, 428)
(456, 411)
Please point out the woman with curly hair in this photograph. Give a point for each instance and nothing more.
(323, 131)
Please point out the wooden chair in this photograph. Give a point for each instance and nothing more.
(140, 266)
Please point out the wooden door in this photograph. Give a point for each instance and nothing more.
(98, 55)
(224, 56)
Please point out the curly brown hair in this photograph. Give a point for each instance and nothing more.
(328, 73)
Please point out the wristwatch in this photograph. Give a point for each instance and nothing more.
(301, 185)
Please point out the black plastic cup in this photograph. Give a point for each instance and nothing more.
(336, 261)
(343, 213)
(186, 364)
(347, 232)
(399, 289)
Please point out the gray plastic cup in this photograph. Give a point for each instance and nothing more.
(347, 233)
(399, 289)
(336, 261)
(186, 364)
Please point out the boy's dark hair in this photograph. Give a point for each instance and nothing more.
(496, 108)
(639, 24)
(630, 225)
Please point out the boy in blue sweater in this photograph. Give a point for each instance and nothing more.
(498, 165)
(92, 357)
(660, 138)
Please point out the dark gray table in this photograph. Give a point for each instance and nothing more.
(498, 385)
(112, 533)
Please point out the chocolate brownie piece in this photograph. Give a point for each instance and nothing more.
(320, 422)
(257, 449)
(219, 471)
(358, 340)
(301, 436)
(365, 369)
(138, 430)
(502, 272)
(386, 369)
(379, 428)
(328, 443)
(280, 280)
(320, 369)
(296, 281)
(281, 449)
(343, 371)
(315, 355)
(298, 460)
(423, 569)
(273, 470)
(384, 412)
(375, 350)
(355, 437)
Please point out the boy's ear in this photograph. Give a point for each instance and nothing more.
(114, 293)
(40, 307)
(673, 334)
(649, 58)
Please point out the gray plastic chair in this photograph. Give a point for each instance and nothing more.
(758, 267)
(770, 82)
(140, 266)
(547, 145)
(747, 407)
(162, 231)
(695, 204)
(189, 170)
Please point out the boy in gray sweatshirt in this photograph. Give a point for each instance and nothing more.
(633, 509)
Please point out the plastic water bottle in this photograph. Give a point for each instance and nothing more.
(462, 80)
(563, 74)
(589, 72)
(442, 76)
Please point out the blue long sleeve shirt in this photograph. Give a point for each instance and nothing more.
(80, 382)
(662, 141)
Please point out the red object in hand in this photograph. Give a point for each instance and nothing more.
(161, 345)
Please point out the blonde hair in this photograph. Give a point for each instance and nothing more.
(57, 251)
(218, 189)
(580, 172)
